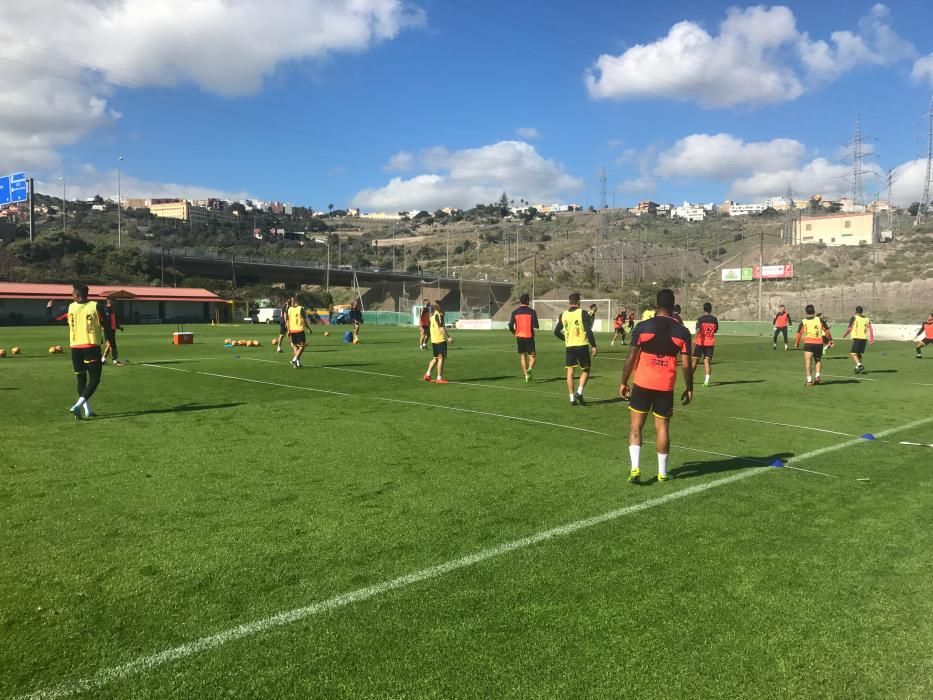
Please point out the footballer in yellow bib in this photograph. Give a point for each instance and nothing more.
(862, 333)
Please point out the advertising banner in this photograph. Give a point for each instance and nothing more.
(774, 272)
(731, 274)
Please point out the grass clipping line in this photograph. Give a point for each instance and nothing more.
(146, 663)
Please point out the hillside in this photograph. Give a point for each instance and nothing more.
(606, 255)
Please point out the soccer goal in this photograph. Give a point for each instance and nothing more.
(549, 310)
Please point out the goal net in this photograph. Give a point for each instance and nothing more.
(549, 310)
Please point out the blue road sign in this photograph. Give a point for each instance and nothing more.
(19, 187)
(14, 188)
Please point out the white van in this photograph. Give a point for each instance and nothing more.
(269, 314)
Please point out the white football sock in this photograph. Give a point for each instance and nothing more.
(706, 381)
(662, 464)
(809, 378)
(634, 453)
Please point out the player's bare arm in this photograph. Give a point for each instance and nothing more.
(687, 368)
(630, 362)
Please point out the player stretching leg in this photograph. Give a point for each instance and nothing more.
(424, 325)
(439, 339)
(574, 329)
(926, 330)
(522, 325)
(861, 330)
(283, 324)
(812, 329)
(298, 322)
(707, 327)
(85, 335)
(781, 324)
(618, 327)
(652, 357)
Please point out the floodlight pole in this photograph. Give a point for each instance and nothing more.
(63, 202)
(32, 210)
(119, 206)
(761, 257)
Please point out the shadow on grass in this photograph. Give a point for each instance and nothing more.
(9, 388)
(347, 364)
(184, 408)
(695, 468)
(165, 362)
(881, 371)
(597, 402)
(739, 381)
(827, 382)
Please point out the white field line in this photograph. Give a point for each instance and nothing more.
(287, 617)
(791, 425)
(283, 386)
(339, 369)
(173, 369)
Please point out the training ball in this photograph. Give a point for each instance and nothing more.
(58, 348)
(275, 341)
(255, 343)
(326, 333)
(15, 351)
(52, 348)
(2, 352)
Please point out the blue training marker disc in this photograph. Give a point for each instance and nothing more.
(868, 436)
(777, 463)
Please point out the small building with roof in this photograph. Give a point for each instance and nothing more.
(25, 303)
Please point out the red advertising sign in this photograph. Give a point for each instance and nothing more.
(773, 272)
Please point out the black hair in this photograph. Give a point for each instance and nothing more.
(574, 299)
(858, 309)
(524, 298)
(81, 289)
(809, 309)
(707, 307)
(665, 300)
(676, 308)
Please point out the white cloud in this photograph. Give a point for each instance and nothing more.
(725, 156)
(63, 59)
(89, 181)
(400, 162)
(923, 70)
(908, 180)
(874, 44)
(528, 133)
(819, 176)
(471, 176)
(758, 57)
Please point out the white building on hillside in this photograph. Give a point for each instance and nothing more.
(745, 209)
(689, 212)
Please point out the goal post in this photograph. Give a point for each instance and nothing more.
(549, 310)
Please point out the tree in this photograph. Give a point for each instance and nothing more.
(330, 208)
(913, 208)
(503, 204)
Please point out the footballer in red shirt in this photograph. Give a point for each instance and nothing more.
(652, 361)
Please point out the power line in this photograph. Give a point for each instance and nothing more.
(925, 198)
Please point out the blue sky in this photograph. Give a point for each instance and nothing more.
(420, 105)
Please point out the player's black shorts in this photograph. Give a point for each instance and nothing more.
(927, 341)
(815, 348)
(82, 357)
(298, 338)
(526, 345)
(703, 351)
(439, 349)
(858, 346)
(781, 331)
(578, 356)
(283, 329)
(661, 403)
(426, 329)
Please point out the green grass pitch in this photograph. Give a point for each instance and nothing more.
(218, 488)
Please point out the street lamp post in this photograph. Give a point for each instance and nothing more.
(119, 207)
(63, 202)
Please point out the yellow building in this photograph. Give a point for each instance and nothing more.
(836, 229)
(185, 211)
